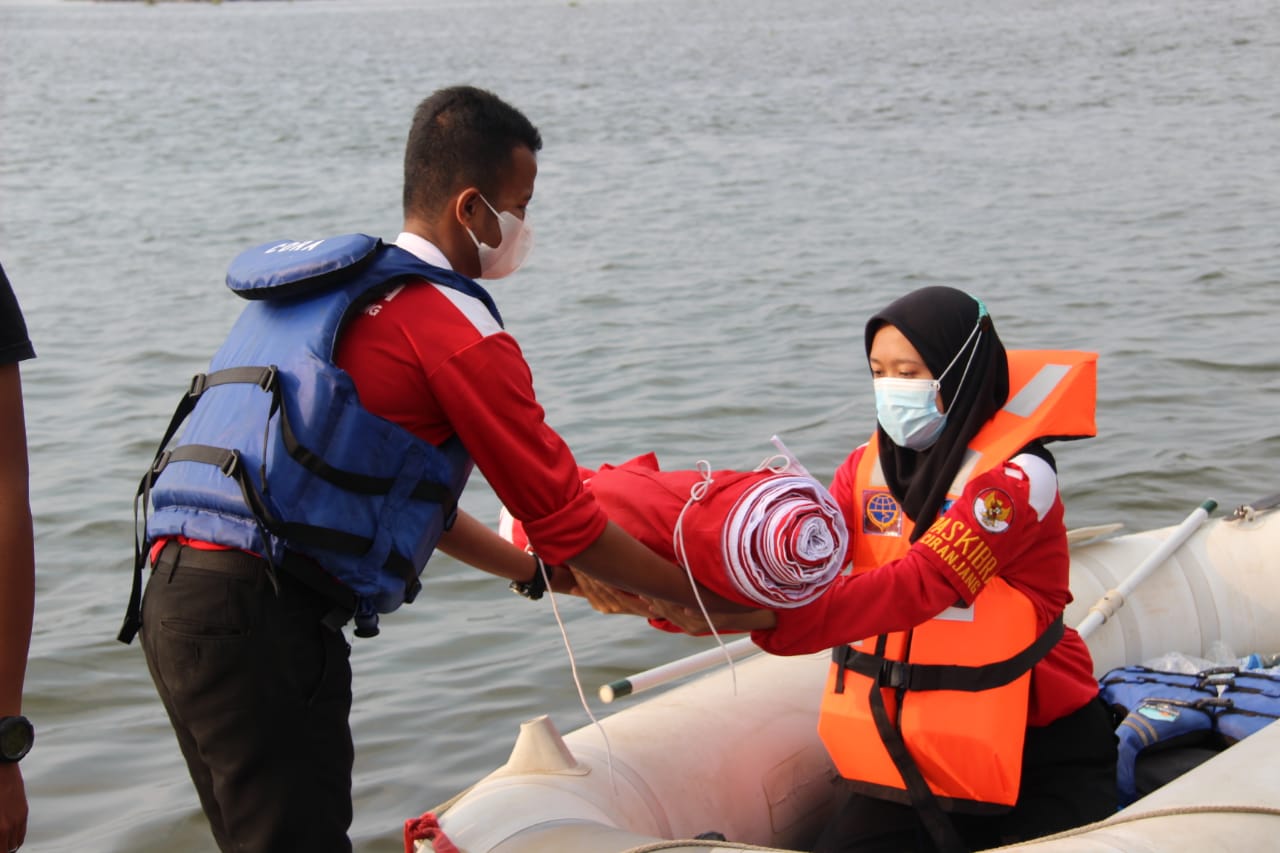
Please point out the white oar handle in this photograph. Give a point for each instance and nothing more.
(675, 669)
(1114, 599)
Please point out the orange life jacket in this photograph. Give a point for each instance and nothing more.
(936, 715)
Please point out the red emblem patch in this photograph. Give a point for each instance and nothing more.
(993, 510)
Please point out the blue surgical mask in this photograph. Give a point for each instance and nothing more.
(908, 411)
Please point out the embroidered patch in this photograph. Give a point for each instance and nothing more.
(1159, 712)
(881, 514)
(993, 510)
(960, 548)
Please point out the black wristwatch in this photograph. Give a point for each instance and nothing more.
(533, 588)
(16, 737)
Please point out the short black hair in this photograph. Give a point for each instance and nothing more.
(461, 136)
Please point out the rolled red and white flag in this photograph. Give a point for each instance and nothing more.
(765, 538)
(783, 542)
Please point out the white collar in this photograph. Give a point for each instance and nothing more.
(422, 249)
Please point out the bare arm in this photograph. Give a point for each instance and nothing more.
(615, 558)
(17, 589)
(472, 542)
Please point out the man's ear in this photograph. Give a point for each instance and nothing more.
(465, 205)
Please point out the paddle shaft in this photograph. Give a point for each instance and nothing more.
(679, 668)
(1106, 606)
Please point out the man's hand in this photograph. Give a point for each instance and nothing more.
(608, 599)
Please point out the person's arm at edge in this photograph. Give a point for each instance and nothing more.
(17, 579)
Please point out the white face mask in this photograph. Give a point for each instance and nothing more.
(513, 247)
(908, 411)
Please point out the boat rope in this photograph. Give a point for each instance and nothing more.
(1118, 820)
(702, 844)
(577, 681)
(1170, 811)
(425, 834)
(696, 493)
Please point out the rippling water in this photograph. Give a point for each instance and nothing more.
(728, 188)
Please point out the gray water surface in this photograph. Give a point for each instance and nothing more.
(727, 190)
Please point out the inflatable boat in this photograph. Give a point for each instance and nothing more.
(731, 760)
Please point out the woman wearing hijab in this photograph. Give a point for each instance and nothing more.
(960, 711)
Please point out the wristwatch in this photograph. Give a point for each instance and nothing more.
(533, 588)
(16, 737)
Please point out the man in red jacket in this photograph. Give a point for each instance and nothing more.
(258, 689)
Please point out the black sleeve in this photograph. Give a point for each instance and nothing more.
(15, 344)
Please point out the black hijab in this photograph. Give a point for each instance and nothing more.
(939, 322)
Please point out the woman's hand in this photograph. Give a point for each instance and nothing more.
(691, 621)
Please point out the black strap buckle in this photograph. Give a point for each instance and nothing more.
(1218, 677)
(231, 464)
(199, 383)
(895, 674)
(411, 590)
(269, 378)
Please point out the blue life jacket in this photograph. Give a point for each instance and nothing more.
(279, 458)
(1214, 708)
(1252, 701)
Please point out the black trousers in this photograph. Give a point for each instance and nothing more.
(1068, 779)
(259, 695)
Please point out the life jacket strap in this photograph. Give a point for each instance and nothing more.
(230, 463)
(902, 675)
(942, 831)
(326, 538)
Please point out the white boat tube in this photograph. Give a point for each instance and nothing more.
(697, 758)
(749, 764)
(1220, 589)
(1231, 802)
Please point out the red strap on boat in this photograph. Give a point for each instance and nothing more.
(427, 828)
